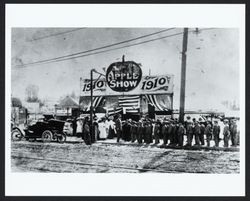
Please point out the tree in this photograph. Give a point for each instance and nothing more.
(16, 102)
(32, 93)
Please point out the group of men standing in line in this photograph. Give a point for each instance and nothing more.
(198, 130)
(170, 130)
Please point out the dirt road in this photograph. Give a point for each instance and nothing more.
(101, 157)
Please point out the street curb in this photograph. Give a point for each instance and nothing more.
(195, 148)
(227, 149)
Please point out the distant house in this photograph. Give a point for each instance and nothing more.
(67, 108)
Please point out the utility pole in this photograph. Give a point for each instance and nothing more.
(92, 84)
(183, 75)
(79, 102)
(91, 102)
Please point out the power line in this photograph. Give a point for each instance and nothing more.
(147, 41)
(114, 44)
(103, 51)
(103, 47)
(56, 34)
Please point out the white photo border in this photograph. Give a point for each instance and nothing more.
(144, 15)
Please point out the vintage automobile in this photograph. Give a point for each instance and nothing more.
(17, 132)
(46, 129)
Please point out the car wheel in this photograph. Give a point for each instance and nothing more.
(16, 135)
(61, 138)
(47, 136)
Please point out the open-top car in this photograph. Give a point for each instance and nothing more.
(48, 130)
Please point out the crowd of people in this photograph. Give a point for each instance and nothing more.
(173, 133)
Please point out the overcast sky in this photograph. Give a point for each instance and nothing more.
(212, 60)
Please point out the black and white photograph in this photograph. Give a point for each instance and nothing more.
(132, 118)
(145, 100)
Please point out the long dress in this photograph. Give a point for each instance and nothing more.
(102, 129)
(111, 130)
(107, 127)
(79, 124)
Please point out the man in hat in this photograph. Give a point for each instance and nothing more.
(181, 132)
(86, 131)
(233, 132)
(189, 130)
(126, 130)
(202, 131)
(176, 127)
(133, 131)
(157, 131)
(118, 126)
(144, 124)
(127, 134)
(226, 133)
(171, 132)
(165, 132)
(197, 132)
(95, 130)
(148, 132)
(216, 133)
(140, 131)
(208, 133)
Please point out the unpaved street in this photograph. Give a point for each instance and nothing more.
(104, 157)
